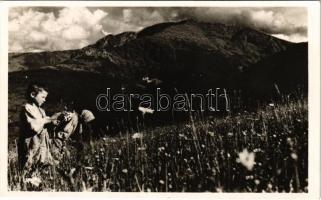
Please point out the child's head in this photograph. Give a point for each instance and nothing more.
(37, 93)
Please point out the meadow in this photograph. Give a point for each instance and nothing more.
(261, 151)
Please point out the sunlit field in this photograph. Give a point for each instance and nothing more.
(262, 151)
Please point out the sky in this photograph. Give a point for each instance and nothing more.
(33, 29)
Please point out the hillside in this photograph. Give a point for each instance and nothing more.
(187, 56)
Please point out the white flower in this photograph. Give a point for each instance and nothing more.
(125, 171)
(137, 135)
(211, 133)
(271, 104)
(72, 171)
(161, 182)
(161, 148)
(89, 168)
(246, 159)
(230, 134)
(145, 110)
(294, 156)
(34, 181)
(141, 149)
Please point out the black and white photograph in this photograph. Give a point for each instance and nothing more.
(158, 99)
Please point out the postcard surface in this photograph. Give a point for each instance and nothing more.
(161, 99)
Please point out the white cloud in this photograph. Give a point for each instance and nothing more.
(75, 27)
(292, 37)
(72, 27)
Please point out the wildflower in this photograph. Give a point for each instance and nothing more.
(137, 136)
(219, 189)
(203, 146)
(270, 186)
(289, 141)
(89, 168)
(257, 150)
(257, 181)
(141, 148)
(161, 182)
(161, 148)
(34, 181)
(145, 110)
(271, 104)
(72, 171)
(125, 171)
(211, 134)
(246, 159)
(294, 156)
(230, 134)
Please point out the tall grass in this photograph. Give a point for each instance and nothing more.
(262, 151)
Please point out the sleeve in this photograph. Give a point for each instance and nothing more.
(56, 115)
(35, 123)
(69, 128)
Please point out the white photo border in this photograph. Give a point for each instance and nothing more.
(313, 8)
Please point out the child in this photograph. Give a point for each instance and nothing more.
(65, 126)
(71, 123)
(33, 148)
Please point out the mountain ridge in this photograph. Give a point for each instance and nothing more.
(186, 56)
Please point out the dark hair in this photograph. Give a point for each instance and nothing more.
(35, 88)
(72, 105)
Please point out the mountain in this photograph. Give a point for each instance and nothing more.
(162, 46)
(287, 71)
(188, 55)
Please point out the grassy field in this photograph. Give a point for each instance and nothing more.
(262, 151)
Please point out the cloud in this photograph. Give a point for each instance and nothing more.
(292, 37)
(271, 20)
(70, 28)
(59, 28)
(288, 21)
